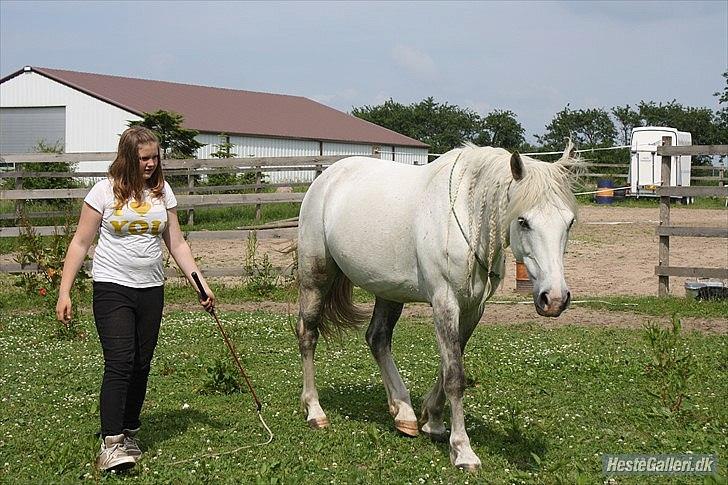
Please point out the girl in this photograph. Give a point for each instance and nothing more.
(132, 210)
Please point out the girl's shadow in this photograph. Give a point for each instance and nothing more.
(163, 425)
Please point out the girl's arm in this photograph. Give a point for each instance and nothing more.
(180, 251)
(88, 225)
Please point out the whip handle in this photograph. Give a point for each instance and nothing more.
(203, 295)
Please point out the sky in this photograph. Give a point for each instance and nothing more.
(531, 58)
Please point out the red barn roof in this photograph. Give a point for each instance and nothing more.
(232, 111)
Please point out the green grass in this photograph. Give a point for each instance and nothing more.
(178, 292)
(542, 405)
(655, 306)
(226, 218)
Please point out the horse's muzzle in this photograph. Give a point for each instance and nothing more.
(551, 307)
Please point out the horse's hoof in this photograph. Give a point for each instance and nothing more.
(469, 467)
(319, 423)
(407, 428)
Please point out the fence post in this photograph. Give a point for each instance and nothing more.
(19, 204)
(190, 191)
(258, 188)
(319, 170)
(663, 284)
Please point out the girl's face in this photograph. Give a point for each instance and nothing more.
(148, 159)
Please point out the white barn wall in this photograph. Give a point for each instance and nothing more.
(91, 125)
(246, 146)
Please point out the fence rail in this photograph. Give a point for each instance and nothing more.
(665, 231)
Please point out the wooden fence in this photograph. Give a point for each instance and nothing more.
(193, 195)
(665, 231)
(189, 198)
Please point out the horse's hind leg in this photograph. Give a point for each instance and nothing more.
(379, 338)
(309, 318)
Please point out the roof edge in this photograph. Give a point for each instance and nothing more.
(40, 71)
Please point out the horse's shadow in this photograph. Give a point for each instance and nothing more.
(366, 404)
(160, 426)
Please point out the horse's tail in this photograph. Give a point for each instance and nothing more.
(340, 312)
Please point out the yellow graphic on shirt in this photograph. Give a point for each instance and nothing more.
(135, 227)
(140, 209)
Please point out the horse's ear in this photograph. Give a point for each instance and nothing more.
(570, 150)
(516, 166)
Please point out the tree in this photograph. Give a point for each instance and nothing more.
(444, 126)
(174, 140)
(627, 119)
(699, 122)
(502, 129)
(47, 182)
(721, 115)
(590, 128)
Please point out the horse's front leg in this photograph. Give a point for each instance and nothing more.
(447, 328)
(434, 402)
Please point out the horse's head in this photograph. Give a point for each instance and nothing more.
(542, 214)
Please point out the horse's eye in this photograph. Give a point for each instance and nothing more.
(523, 223)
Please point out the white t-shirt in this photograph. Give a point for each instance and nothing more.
(129, 251)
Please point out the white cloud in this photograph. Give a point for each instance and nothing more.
(415, 61)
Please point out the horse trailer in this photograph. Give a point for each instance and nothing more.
(645, 166)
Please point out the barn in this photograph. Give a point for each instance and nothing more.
(85, 112)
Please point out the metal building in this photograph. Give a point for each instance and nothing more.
(85, 112)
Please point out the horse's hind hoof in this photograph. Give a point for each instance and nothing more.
(319, 423)
(407, 428)
(470, 468)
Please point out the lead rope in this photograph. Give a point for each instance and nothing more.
(234, 354)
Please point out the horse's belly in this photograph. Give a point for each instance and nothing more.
(379, 265)
(387, 286)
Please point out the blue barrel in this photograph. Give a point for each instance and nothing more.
(605, 191)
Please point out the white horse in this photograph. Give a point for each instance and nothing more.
(432, 234)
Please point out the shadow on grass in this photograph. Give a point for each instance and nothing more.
(515, 442)
(163, 425)
(366, 404)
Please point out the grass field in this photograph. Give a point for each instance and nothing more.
(541, 406)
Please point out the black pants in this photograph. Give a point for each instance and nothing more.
(127, 320)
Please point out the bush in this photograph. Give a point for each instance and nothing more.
(48, 254)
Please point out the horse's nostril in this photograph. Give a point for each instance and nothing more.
(543, 299)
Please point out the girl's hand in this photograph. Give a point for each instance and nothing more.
(63, 309)
(209, 304)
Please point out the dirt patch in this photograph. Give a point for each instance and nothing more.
(612, 251)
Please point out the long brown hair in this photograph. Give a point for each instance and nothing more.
(125, 174)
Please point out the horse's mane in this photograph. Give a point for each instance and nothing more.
(489, 172)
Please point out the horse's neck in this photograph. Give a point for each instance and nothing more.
(481, 199)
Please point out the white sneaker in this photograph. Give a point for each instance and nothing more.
(113, 456)
(131, 444)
